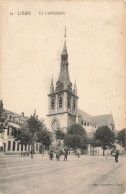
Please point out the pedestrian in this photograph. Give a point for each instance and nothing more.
(58, 155)
(116, 156)
(51, 154)
(78, 153)
(65, 154)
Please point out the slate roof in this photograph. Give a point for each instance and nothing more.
(101, 119)
(5, 112)
(96, 120)
(13, 114)
(85, 116)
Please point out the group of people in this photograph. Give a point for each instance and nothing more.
(65, 153)
(58, 154)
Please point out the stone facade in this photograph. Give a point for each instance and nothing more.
(13, 121)
(63, 108)
(62, 100)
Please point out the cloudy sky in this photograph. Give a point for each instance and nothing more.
(31, 50)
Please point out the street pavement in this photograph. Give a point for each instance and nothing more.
(84, 175)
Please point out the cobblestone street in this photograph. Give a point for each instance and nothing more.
(84, 175)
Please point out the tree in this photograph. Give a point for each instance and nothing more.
(22, 136)
(105, 137)
(28, 132)
(33, 130)
(76, 137)
(76, 129)
(44, 137)
(94, 143)
(33, 125)
(59, 134)
(121, 138)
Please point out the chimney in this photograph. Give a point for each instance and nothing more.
(22, 114)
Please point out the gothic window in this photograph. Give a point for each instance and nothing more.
(55, 125)
(52, 103)
(60, 102)
(74, 105)
(68, 102)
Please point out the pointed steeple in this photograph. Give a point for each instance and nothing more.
(75, 88)
(64, 55)
(64, 48)
(52, 81)
(52, 86)
(64, 72)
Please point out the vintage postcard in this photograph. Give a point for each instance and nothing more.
(62, 97)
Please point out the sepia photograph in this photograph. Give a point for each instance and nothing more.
(62, 97)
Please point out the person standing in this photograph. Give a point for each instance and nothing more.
(65, 154)
(116, 156)
(78, 153)
(58, 155)
(51, 154)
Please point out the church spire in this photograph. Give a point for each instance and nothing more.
(51, 86)
(64, 46)
(64, 72)
(64, 52)
(52, 81)
(75, 88)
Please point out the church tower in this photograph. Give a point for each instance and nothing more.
(62, 107)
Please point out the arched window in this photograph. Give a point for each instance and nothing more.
(55, 125)
(60, 102)
(52, 104)
(74, 105)
(68, 102)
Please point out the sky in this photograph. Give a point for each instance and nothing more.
(31, 52)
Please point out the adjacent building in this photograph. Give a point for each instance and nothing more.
(13, 122)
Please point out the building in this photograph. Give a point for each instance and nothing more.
(63, 108)
(13, 121)
(63, 112)
(63, 99)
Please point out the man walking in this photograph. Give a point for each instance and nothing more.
(51, 154)
(116, 156)
(65, 154)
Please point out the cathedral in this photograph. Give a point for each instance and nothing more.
(63, 112)
(63, 108)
